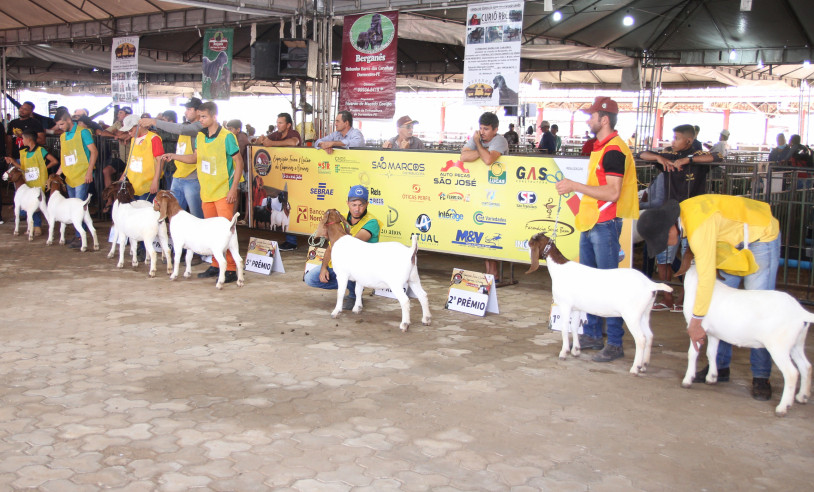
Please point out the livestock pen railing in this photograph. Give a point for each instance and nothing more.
(790, 193)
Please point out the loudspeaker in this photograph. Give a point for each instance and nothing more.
(266, 60)
(298, 58)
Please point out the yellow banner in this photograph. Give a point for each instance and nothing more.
(462, 208)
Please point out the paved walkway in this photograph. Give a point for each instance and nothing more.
(110, 380)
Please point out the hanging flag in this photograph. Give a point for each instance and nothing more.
(492, 53)
(217, 63)
(124, 70)
(368, 84)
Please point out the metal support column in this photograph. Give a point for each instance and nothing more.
(647, 105)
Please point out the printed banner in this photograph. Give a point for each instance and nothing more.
(124, 70)
(462, 208)
(492, 53)
(217, 63)
(368, 83)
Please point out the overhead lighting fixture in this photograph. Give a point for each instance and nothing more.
(806, 63)
(733, 55)
(557, 16)
(628, 20)
(760, 64)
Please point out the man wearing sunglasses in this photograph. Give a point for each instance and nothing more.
(405, 138)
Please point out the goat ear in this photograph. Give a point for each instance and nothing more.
(534, 251)
(162, 208)
(686, 261)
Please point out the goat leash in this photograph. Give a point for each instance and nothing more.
(553, 237)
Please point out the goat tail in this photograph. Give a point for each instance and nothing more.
(87, 200)
(233, 222)
(661, 287)
(414, 249)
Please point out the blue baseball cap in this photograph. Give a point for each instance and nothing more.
(357, 192)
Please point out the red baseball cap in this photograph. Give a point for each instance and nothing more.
(602, 103)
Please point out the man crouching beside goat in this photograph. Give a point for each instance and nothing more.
(737, 237)
(357, 263)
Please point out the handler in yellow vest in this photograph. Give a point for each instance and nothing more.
(77, 160)
(735, 236)
(33, 165)
(219, 167)
(144, 166)
(609, 195)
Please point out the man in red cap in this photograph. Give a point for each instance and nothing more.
(405, 138)
(608, 196)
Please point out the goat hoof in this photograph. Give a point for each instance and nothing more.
(62, 242)
(173, 277)
(576, 352)
(16, 233)
(30, 238)
(83, 249)
(686, 384)
(634, 371)
(134, 264)
(151, 274)
(219, 285)
(781, 412)
(404, 327)
(426, 321)
(563, 357)
(50, 243)
(187, 275)
(110, 255)
(240, 283)
(335, 314)
(802, 399)
(119, 265)
(356, 310)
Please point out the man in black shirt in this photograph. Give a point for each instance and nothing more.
(685, 177)
(26, 122)
(511, 136)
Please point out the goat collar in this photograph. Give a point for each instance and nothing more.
(547, 248)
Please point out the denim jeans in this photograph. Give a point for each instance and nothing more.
(188, 193)
(291, 238)
(312, 280)
(599, 248)
(767, 256)
(80, 192)
(37, 217)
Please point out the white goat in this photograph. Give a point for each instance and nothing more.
(137, 221)
(621, 292)
(68, 211)
(25, 198)
(212, 236)
(279, 219)
(378, 265)
(753, 319)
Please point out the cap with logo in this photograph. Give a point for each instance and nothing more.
(405, 120)
(603, 103)
(357, 192)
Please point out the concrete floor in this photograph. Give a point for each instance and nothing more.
(111, 380)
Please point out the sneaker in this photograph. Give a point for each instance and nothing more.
(609, 353)
(701, 376)
(286, 246)
(37, 231)
(76, 243)
(230, 277)
(210, 272)
(761, 389)
(141, 255)
(348, 303)
(590, 343)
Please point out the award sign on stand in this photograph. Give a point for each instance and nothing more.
(263, 257)
(472, 293)
(314, 259)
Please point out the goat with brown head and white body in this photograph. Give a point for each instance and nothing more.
(212, 236)
(27, 199)
(621, 292)
(68, 211)
(388, 265)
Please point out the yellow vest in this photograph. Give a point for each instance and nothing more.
(628, 204)
(214, 169)
(73, 159)
(34, 168)
(141, 164)
(184, 147)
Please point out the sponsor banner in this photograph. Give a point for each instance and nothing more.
(124, 70)
(472, 293)
(263, 257)
(492, 53)
(452, 206)
(217, 63)
(368, 81)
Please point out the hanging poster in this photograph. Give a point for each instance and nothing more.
(217, 63)
(368, 83)
(124, 70)
(492, 53)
